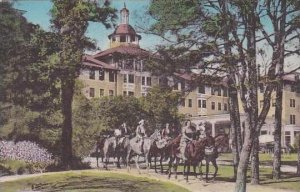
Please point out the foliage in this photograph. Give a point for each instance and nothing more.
(87, 125)
(13, 167)
(70, 21)
(161, 107)
(114, 111)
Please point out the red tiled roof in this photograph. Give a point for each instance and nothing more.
(90, 61)
(124, 29)
(124, 50)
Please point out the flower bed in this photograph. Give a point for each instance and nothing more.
(35, 157)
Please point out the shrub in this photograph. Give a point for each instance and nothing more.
(35, 157)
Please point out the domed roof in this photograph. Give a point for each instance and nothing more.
(124, 29)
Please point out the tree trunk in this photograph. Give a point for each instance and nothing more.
(241, 179)
(280, 37)
(255, 161)
(298, 164)
(277, 132)
(235, 128)
(67, 98)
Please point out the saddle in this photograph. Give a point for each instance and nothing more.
(161, 143)
(209, 150)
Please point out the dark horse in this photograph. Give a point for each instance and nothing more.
(99, 148)
(209, 154)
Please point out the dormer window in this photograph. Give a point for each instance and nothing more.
(123, 38)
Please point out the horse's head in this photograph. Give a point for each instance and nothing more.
(156, 135)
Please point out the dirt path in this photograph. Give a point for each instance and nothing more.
(194, 185)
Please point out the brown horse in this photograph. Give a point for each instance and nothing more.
(218, 142)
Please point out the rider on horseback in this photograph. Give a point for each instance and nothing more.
(140, 133)
(119, 133)
(186, 136)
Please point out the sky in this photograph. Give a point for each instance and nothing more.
(37, 12)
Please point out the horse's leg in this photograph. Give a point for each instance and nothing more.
(170, 166)
(188, 170)
(194, 168)
(127, 160)
(147, 161)
(176, 166)
(207, 170)
(200, 169)
(155, 163)
(160, 161)
(214, 162)
(137, 163)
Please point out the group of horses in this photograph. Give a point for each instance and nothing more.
(167, 148)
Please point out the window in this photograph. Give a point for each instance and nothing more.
(201, 89)
(175, 86)
(273, 102)
(293, 88)
(125, 78)
(261, 88)
(92, 74)
(204, 104)
(143, 81)
(263, 132)
(101, 75)
(123, 38)
(182, 103)
(199, 103)
(92, 92)
(219, 91)
(261, 103)
(111, 76)
(219, 107)
(213, 105)
(292, 103)
(190, 103)
(212, 90)
(292, 119)
(225, 92)
(149, 81)
(225, 107)
(124, 93)
(101, 92)
(111, 92)
(130, 78)
(182, 85)
(130, 93)
(287, 137)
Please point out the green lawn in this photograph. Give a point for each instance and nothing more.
(267, 159)
(90, 181)
(288, 181)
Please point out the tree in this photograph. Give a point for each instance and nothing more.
(70, 19)
(160, 107)
(284, 18)
(114, 111)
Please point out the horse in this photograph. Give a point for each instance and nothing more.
(99, 148)
(108, 150)
(121, 149)
(135, 148)
(211, 154)
(160, 148)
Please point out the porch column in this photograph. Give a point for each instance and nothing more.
(213, 129)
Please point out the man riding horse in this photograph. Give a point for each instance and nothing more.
(120, 133)
(140, 133)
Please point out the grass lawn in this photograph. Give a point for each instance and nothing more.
(89, 181)
(288, 181)
(267, 159)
